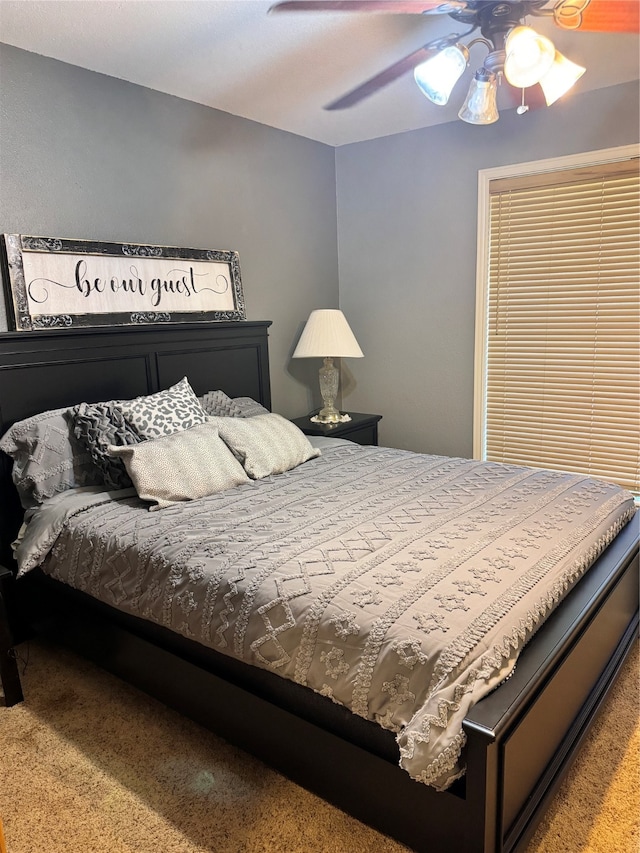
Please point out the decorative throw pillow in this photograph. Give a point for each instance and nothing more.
(98, 425)
(166, 412)
(265, 444)
(249, 407)
(218, 403)
(47, 457)
(185, 465)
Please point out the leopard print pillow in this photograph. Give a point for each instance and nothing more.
(166, 412)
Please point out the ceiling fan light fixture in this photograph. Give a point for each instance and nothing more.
(438, 75)
(562, 75)
(529, 56)
(480, 105)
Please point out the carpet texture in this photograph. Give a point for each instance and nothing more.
(90, 765)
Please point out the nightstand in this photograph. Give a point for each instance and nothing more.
(9, 675)
(363, 429)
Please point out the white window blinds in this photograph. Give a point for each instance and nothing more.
(562, 384)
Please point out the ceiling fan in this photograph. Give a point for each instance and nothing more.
(515, 51)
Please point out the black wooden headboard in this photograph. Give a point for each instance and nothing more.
(50, 369)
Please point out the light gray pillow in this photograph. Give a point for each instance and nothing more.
(265, 444)
(47, 457)
(167, 411)
(183, 466)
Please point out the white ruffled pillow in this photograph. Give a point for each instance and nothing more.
(183, 466)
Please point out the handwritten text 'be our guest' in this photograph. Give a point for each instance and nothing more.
(177, 281)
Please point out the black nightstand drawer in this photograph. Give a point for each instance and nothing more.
(362, 428)
(364, 435)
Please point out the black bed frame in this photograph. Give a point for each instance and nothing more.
(521, 738)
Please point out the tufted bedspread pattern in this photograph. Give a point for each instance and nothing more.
(399, 585)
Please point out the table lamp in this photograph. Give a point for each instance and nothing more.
(327, 335)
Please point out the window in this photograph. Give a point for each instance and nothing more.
(558, 349)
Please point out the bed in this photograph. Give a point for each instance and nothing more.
(518, 741)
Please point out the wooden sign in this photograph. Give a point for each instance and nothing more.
(53, 283)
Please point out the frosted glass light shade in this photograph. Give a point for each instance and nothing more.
(528, 57)
(437, 76)
(560, 78)
(481, 104)
(327, 333)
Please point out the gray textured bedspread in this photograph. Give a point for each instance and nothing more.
(399, 585)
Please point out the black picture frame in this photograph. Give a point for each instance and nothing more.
(56, 283)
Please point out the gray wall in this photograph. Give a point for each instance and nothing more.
(407, 214)
(88, 156)
(85, 155)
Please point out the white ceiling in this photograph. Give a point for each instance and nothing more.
(278, 69)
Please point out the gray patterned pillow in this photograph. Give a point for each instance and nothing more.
(185, 465)
(265, 444)
(249, 407)
(98, 425)
(47, 457)
(218, 403)
(166, 412)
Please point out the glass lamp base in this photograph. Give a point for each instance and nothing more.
(329, 377)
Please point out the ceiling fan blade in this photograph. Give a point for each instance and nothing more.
(603, 16)
(398, 7)
(387, 76)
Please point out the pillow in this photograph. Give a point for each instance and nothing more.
(249, 407)
(166, 412)
(185, 465)
(265, 444)
(218, 403)
(47, 457)
(98, 425)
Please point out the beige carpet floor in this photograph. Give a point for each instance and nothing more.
(88, 763)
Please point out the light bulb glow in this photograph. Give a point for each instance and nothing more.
(529, 56)
(562, 75)
(437, 76)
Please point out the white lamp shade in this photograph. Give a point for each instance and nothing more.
(480, 106)
(560, 78)
(529, 57)
(437, 76)
(327, 334)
